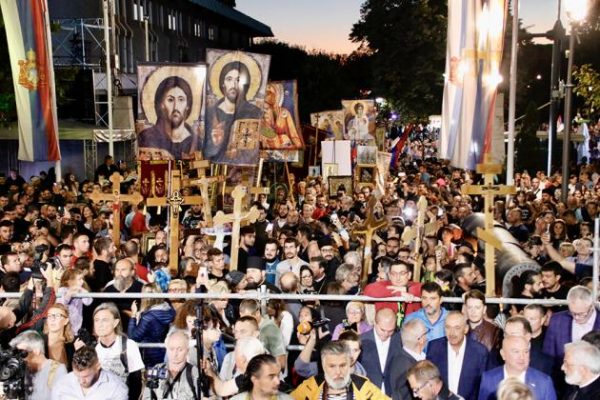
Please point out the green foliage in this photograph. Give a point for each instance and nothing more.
(530, 155)
(407, 40)
(588, 87)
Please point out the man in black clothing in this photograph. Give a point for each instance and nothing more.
(105, 252)
(124, 282)
(553, 288)
(582, 369)
(255, 275)
(106, 169)
(246, 249)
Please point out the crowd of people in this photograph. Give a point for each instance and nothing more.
(56, 246)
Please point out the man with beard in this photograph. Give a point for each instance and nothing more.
(292, 262)
(271, 255)
(432, 313)
(170, 134)
(318, 266)
(234, 81)
(582, 369)
(327, 248)
(255, 275)
(124, 282)
(337, 382)
(246, 249)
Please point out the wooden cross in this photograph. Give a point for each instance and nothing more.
(421, 211)
(488, 190)
(174, 200)
(368, 228)
(205, 182)
(236, 218)
(116, 197)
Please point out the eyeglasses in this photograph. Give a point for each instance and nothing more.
(418, 390)
(424, 333)
(582, 315)
(401, 273)
(55, 316)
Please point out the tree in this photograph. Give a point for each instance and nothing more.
(588, 87)
(407, 41)
(530, 154)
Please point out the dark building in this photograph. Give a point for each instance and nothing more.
(178, 30)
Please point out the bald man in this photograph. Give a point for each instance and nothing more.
(379, 347)
(460, 359)
(515, 352)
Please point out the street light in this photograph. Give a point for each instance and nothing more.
(576, 12)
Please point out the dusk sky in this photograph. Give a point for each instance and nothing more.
(326, 24)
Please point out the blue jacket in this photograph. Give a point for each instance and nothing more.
(369, 358)
(559, 333)
(539, 383)
(152, 327)
(474, 364)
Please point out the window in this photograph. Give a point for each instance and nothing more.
(138, 11)
(212, 32)
(171, 21)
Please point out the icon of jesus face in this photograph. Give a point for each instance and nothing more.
(232, 83)
(175, 106)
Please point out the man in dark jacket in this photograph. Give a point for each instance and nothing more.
(426, 383)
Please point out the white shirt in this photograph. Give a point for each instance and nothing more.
(417, 356)
(108, 386)
(520, 378)
(110, 358)
(455, 364)
(382, 351)
(578, 330)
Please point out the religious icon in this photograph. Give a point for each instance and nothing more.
(170, 106)
(279, 129)
(366, 154)
(339, 183)
(235, 95)
(359, 117)
(366, 174)
(332, 122)
(314, 171)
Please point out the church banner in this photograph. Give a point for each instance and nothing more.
(473, 56)
(235, 98)
(359, 121)
(280, 123)
(170, 107)
(332, 122)
(30, 53)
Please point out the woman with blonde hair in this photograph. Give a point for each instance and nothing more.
(514, 389)
(151, 324)
(58, 335)
(355, 320)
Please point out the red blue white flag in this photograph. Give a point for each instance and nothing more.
(30, 50)
(473, 55)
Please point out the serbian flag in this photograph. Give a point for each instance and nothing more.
(30, 50)
(473, 56)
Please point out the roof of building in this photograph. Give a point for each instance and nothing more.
(231, 13)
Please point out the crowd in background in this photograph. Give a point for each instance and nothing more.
(55, 244)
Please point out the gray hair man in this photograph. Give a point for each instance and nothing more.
(414, 340)
(582, 369)
(43, 372)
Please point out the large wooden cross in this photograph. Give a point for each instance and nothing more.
(236, 219)
(368, 228)
(488, 190)
(174, 200)
(116, 197)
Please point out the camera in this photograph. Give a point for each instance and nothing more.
(85, 336)
(155, 375)
(12, 374)
(37, 265)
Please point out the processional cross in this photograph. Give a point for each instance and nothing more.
(488, 190)
(116, 197)
(368, 228)
(236, 218)
(174, 200)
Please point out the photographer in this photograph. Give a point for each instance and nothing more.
(43, 373)
(88, 380)
(175, 379)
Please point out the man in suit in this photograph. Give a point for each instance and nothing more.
(380, 345)
(582, 370)
(519, 326)
(414, 338)
(515, 352)
(460, 359)
(570, 326)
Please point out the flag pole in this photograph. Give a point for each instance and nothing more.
(512, 99)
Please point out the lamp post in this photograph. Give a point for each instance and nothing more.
(576, 11)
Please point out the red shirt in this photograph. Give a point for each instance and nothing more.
(380, 289)
(141, 272)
